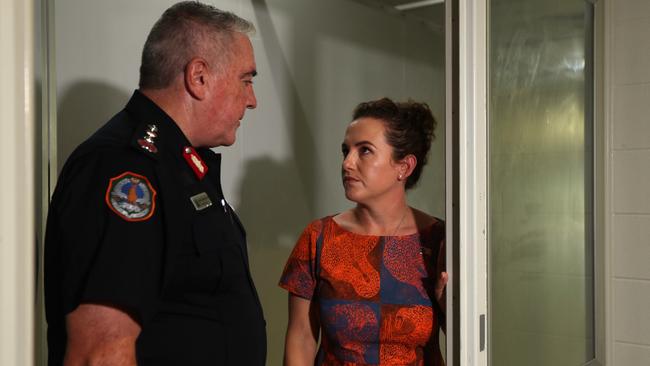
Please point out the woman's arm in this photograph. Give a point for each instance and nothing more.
(302, 333)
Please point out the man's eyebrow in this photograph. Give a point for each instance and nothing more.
(252, 73)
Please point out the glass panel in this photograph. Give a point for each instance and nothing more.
(540, 183)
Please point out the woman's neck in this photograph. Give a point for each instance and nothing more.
(384, 219)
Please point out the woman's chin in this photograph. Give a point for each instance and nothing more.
(349, 195)
(353, 196)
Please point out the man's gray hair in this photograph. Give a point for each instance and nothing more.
(187, 29)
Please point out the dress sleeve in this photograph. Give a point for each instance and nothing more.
(99, 254)
(299, 275)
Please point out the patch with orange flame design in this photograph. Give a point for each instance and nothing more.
(131, 197)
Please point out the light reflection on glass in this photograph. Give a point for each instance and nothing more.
(540, 251)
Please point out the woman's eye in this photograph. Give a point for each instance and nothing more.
(365, 150)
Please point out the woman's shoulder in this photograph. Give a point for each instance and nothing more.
(342, 219)
(431, 231)
(317, 225)
(424, 221)
(347, 224)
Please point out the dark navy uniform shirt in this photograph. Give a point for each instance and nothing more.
(124, 230)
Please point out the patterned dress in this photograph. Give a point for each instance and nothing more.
(374, 293)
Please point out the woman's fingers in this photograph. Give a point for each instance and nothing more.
(441, 283)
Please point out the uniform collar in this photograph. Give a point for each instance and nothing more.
(170, 138)
(213, 160)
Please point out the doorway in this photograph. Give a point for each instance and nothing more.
(316, 60)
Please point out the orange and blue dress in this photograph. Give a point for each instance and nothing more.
(374, 294)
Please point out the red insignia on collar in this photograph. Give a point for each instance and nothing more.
(131, 197)
(148, 141)
(195, 162)
(149, 146)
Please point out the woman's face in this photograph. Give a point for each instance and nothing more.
(369, 171)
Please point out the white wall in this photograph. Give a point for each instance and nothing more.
(628, 180)
(316, 60)
(16, 185)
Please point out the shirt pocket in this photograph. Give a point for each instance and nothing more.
(200, 265)
(219, 252)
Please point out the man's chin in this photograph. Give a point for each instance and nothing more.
(224, 139)
(228, 141)
(215, 144)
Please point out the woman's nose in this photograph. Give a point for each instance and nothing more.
(348, 161)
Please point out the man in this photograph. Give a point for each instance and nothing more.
(145, 261)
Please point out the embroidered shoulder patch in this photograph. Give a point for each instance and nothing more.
(131, 197)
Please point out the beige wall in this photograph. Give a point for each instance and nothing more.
(628, 178)
(16, 185)
(316, 60)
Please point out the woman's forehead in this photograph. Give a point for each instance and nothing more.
(366, 128)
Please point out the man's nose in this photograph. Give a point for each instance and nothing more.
(252, 100)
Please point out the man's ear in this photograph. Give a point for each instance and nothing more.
(406, 166)
(196, 78)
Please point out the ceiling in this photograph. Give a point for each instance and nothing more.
(431, 15)
(394, 2)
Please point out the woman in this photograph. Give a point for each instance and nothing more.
(371, 279)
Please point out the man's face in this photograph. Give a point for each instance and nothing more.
(230, 94)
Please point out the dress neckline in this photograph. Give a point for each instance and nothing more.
(418, 232)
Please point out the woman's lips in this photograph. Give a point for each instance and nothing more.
(349, 180)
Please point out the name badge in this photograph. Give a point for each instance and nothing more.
(201, 201)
